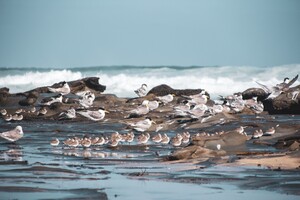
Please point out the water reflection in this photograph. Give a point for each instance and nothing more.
(13, 153)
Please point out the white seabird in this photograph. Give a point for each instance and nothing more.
(142, 109)
(65, 89)
(142, 125)
(153, 105)
(87, 99)
(276, 90)
(69, 114)
(94, 115)
(166, 99)
(142, 91)
(13, 135)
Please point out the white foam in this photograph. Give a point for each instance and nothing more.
(31, 80)
(123, 81)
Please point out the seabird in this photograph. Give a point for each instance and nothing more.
(142, 109)
(71, 142)
(51, 100)
(87, 99)
(166, 99)
(276, 90)
(54, 142)
(165, 139)
(94, 115)
(157, 138)
(177, 140)
(198, 111)
(3, 112)
(13, 135)
(143, 138)
(64, 89)
(142, 125)
(142, 91)
(269, 132)
(69, 114)
(153, 104)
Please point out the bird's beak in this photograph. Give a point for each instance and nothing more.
(106, 111)
(153, 122)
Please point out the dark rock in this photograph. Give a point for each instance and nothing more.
(30, 99)
(255, 92)
(163, 89)
(4, 93)
(294, 146)
(77, 85)
(194, 152)
(93, 83)
(284, 104)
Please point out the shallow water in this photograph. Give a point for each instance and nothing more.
(32, 169)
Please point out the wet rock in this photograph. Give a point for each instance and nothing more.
(4, 93)
(294, 146)
(194, 152)
(227, 139)
(286, 142)
(30, 99)
(255, 92)
(163, 89)
(93, 83)
(286, 103)
(77, 85)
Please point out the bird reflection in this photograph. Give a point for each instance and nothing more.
(14, 153)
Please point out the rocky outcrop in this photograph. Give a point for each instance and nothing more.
(91, 83)
(255, 92)
(163, 89)
(4, 93)
(284, 103)
(288, 102)
(195, 152)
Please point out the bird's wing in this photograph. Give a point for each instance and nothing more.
(95, 114)
(265, 88)
(292, 81)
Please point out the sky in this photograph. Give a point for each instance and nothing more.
(73, 33)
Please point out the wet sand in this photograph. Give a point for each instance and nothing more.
(32, 169)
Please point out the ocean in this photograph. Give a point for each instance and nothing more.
(123, 80)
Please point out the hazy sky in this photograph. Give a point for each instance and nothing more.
(72, 33)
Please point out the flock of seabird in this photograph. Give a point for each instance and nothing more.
(194, 106)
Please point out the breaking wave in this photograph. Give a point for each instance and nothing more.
(122, 80)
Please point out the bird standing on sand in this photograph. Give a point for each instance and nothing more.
(94, 115)
(64, 89)
(142, 91)
(13, 135)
